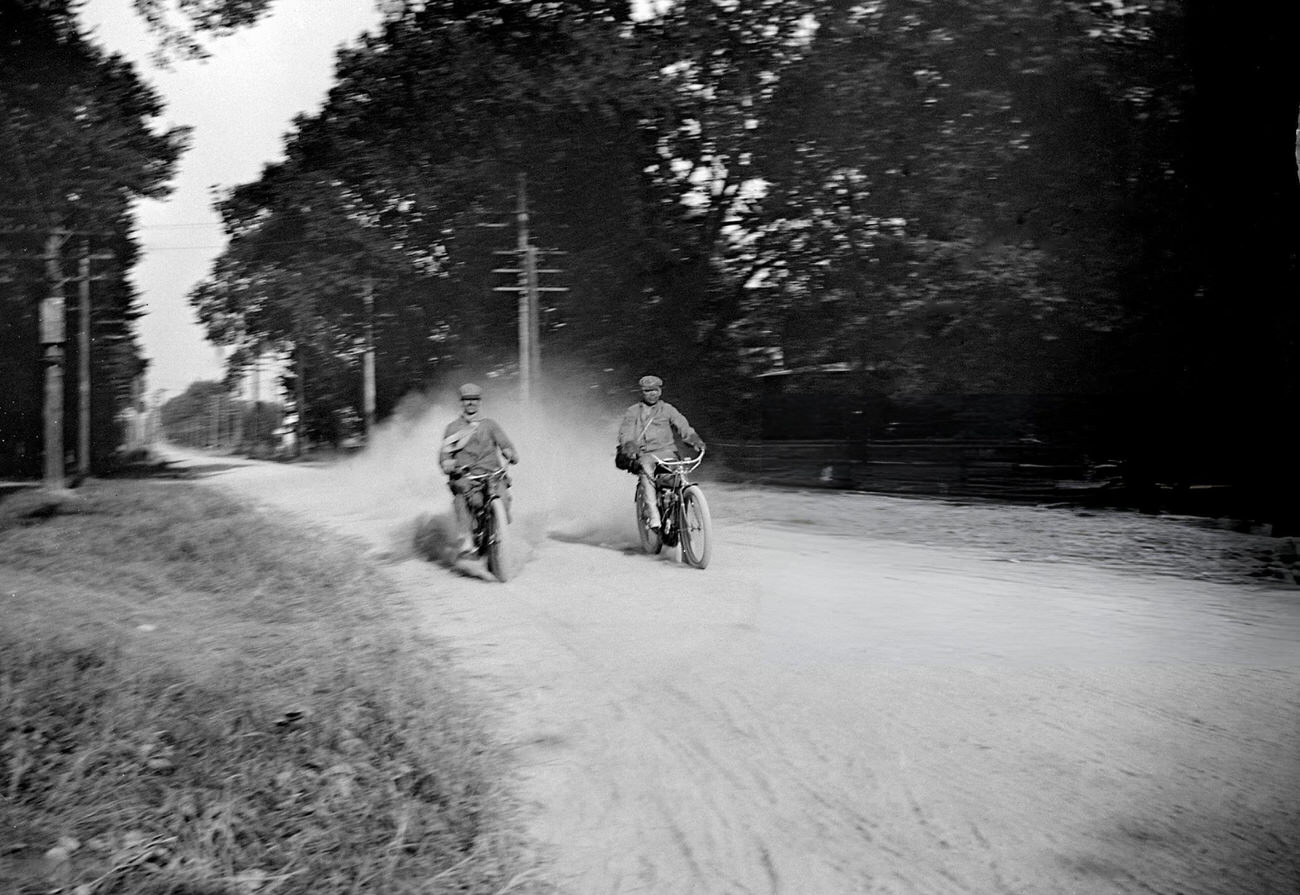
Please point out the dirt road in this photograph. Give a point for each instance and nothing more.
(826, 713)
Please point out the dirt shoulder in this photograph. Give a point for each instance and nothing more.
(196, 696)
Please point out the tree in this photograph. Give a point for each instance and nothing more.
(387, 184)
(1238, 328)
(77, 126)
(946, 177)
(181, 25)
(958, 197)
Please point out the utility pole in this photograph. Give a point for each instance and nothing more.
(257, 399)
(300, 382)
(534, 313)
(300, 403)
(53, 325)
(237, 417)
(52, 332)
(155, 417)
(84, 279)
(223, 398)
(526, 333)
(529, 314)
(83, 361)
(214, 421)
(368, 360)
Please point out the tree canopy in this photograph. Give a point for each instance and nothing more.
(180, 26)
(1057, 197)
(952, 196)
(78, 130)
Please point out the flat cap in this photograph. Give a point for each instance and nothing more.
(651, 382)
(470, 390)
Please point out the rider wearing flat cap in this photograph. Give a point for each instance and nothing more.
(471, 445)
(651, 427)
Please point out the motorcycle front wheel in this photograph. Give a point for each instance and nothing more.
(696, 530)
(496, 537)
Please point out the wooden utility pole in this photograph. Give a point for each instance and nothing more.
(237, 418)
(368, 360)
(83, 361)
(52, 331)
(300, 383)
(255, 444)
(214, 418)
(300, 403)
(527, 335)
(53, 326)
(156, 433)
(530, 342)
(534, 313)
(84, 280)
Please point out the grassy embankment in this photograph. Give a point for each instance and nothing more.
(196, 698)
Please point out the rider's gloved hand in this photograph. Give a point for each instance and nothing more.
(628, 449)
(698, 445)
(511, 457)
(448, 466)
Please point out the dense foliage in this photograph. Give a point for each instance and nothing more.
(947, 198)
(207, 415)
(78, 136)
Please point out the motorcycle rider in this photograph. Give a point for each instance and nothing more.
(471, 445)
(649, 427)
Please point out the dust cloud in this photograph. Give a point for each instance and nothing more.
(565, 486)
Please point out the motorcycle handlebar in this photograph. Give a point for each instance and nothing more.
(686, 465)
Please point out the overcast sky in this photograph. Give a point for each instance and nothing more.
(240, 103)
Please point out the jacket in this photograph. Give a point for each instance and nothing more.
(475, 445)
(651, 426)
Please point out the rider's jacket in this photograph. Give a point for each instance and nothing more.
(651, 427)
(475, 445)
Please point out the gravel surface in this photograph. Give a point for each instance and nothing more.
(1182, 546)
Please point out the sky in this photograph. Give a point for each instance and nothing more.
(240, 104)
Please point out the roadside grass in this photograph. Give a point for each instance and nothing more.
(198, 698)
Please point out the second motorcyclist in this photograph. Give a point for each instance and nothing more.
(472, 445)
(651, 428)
